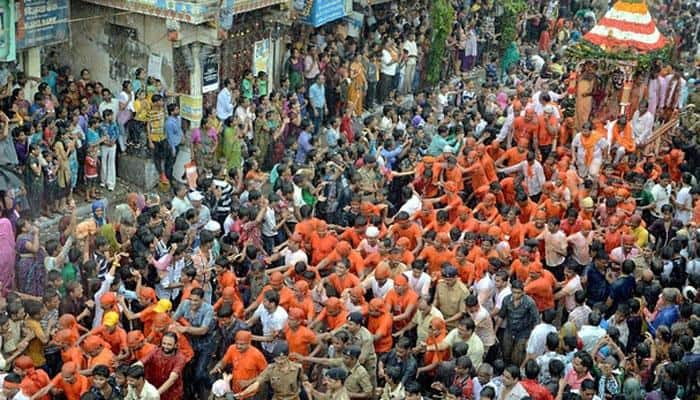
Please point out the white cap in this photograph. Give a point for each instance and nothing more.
(196, 196)
(448, 149)
(372, 232)
(212, 226)
(549, 109)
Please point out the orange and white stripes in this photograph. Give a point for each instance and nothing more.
(627, 23)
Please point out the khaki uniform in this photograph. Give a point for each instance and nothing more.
(450, 300)
(284, 380)
(365, 341)
(358, 380)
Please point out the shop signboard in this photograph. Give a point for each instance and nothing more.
(325, 11)
(42, 22)
(191, 108)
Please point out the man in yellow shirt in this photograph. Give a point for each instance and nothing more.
(640, 234)
(156, 135)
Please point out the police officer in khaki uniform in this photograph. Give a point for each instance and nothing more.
(450, 295)
(283, 376)
(334, 380)
(363, 338)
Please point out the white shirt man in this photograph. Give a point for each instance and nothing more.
(271, 322)
(642, 126)
(388, 63)
(224, 103)
(537, 343)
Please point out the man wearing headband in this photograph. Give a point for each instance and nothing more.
(283, 376)
(70, 382)
(246, 361)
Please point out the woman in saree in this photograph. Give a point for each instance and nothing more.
(7, 245)
(205, 140)
(584, 96)
(358, 85)
(31, 274)
(230, 146)
(510, 58)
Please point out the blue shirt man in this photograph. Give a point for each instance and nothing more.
(173, 128)
(304, 145)
(317, 98)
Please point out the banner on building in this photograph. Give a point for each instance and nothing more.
(210, 73)
(7, 31)
(226, 14)
(42, 22)
(262, 56)
(191, 108)
(355, 21)
(155, 65)
(325, 11)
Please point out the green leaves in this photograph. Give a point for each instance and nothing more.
(442, 16)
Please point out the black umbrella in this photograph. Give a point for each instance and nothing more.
(9, 179)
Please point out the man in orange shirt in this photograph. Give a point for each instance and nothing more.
(342, 280)
(69, 382)
(98, 352)
(402, 301)
(547, 132)
(475, 171)
(138, 346)
(525, 127)
(322, 243)
(112, 334)
(622, 139)
(404, 227)
(246, 361)
(298, 336)
(438, 254)
(276, 284)
(65, 340)
(303, 299)
(379, 323)
(229, 296)
(540, 288)
(344, 250)
(332, 316)
(224, 276)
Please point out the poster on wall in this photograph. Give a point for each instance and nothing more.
(42, 22)
(7, 31)
(210, 73)
(155, 65)
(191, 108)
(262, 56)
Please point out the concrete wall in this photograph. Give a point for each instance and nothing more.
(90, 47)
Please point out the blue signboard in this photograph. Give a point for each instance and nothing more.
(325, 11)
(42, 22)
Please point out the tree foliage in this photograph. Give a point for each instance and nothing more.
(442, 16)
(509, 20)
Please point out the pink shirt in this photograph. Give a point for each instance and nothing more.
(572, 379)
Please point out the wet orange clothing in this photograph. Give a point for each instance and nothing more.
(300, 340)
(144, 351)
(235, 304)
(246, 365)
(399, 304)
(412, 233)
(381, 325)
(527, 211)
(333, 321)
(307, 228)
(105, 357)
(541, 291)
(515, 233)
(73, 354)
(523, 129)
(435, 258)
(307, 305)
(455, 175)
(347, 281)
(116, 339)
(357, 263)
(544, 136)
(476, 174)
(489, 167)
(74, 390)
(624, 137)
(351, 236)
(321, 247)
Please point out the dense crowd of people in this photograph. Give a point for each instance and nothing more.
(356, 233)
